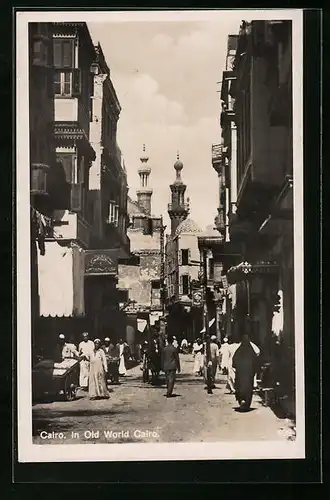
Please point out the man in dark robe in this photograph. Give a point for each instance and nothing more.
(245, 363)
(171, 365)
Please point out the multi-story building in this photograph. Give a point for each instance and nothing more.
(182, 264)
(140, 275)
(261, 195)
(107, 205)
(42, 150)
(62, 268)
(217, 251)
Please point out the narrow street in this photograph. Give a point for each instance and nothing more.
(140, 412)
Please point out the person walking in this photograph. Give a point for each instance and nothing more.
(198, 358)
(97, 386)
(122, 356)
(245, 365)
(65, 349)
(86, 348)
(214, 357)
(171, 365)
(175, 342)
(224, 356)
(232, 348)
(207, 364)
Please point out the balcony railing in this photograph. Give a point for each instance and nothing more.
(39, 179)
(216, 153)
(177, 206)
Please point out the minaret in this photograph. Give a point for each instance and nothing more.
(178, 209)
(144, 192)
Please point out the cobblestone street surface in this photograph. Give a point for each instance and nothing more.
(138, 412)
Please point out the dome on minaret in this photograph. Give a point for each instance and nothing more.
(144, 167)
(178, 165)
(144, 157)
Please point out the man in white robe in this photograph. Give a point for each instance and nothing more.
(86, 349)
(224, 355)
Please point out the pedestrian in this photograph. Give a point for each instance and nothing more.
(224, 355)
(184, 346)
(65, 349)
(233, 346)
(86, 348)
(112, 358)
(138, 355)
(171, 365)
(122, 357)
(208, 364)
(198, 359)
(97, 387)
(214, 356)
(175, 342)
(245, 365)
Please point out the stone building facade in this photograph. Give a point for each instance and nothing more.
(140, 282)
(261, 219)
(61, 270)
(108, 206)
(43, 178)
(182, 264)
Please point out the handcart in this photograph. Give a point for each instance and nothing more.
(113, 369)
(51, 379)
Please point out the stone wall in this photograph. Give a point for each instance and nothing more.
(137, 279)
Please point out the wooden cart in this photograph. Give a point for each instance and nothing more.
(51, 379)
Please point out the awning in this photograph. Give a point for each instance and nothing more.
(203, 330)
(141, 325)
(101, 262)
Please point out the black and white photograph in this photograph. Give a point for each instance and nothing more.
(160, 235)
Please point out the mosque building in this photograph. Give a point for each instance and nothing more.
(182, 264)
(139, 277)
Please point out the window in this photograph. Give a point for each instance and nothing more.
(148, 226)
(63, 53)
(113, 217)
(122, 296)
(185, 257)
(63, 83)
(211, 268)
(40, 53)
(184, 284)
(155, 285)
(67, 161)
(67, 82)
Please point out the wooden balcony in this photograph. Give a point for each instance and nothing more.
(39, 173)
(71, 226)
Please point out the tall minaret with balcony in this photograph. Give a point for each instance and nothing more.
(178, 209)
(144, 192)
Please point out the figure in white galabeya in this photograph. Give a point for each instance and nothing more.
(198, 356)
(86, 349)
(224, 355)
(122, 356)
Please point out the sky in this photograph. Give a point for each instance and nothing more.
(165, 75)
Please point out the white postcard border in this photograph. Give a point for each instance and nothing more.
(29, 452)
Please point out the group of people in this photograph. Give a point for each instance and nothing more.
(237, 360)
(99, 363)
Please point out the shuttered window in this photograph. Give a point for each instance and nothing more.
(67, 161)
(180, 258)
(181, 285)
(185, 284)
(185, 257)
(63, 51)
(77, 198)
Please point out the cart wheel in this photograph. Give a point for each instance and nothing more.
(69, 391)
